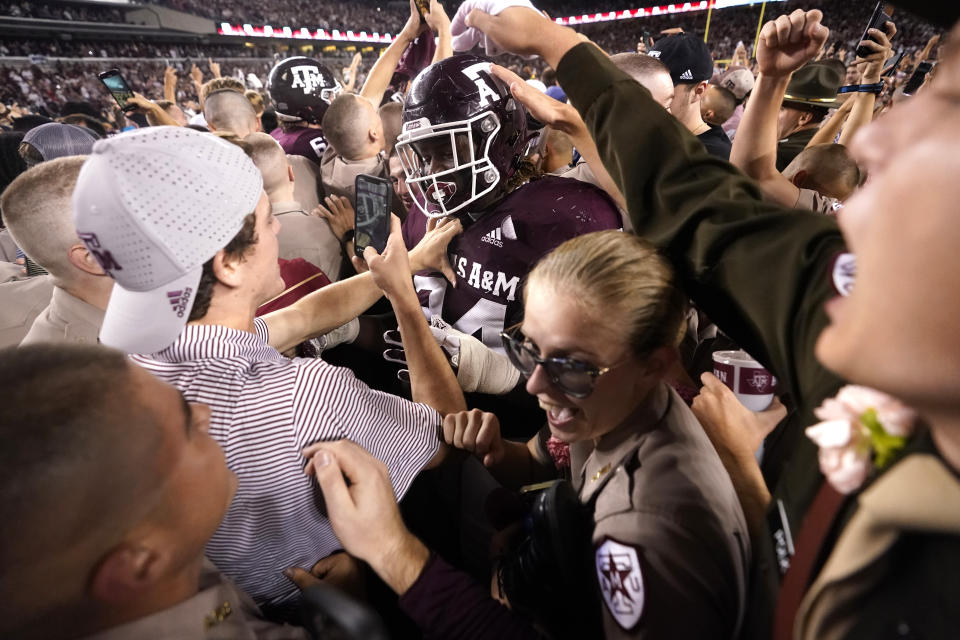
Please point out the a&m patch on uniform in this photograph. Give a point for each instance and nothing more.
(618, 572)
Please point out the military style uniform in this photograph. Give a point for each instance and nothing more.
(66, 319)
(671, 546)
(21, 301)
(763, 274)
(305, 236)
(790, 147)
(219, 610)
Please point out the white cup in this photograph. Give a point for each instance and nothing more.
(752, 384)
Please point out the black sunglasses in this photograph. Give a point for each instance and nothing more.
(574, 377)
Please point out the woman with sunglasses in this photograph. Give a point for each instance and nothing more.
(601, 320)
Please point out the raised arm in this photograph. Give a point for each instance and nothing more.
(755, 147)
(439, 22)
(872, 65)
(565, 118)
(432, 381)
(340, 302)
(379, 77)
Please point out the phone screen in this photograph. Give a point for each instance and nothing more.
(117, 86)
(372, 213)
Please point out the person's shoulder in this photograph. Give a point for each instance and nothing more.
(562, 202)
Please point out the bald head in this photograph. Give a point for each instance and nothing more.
(391, 115)
(650, 72)
(77, 471)
(828, 169)
(353, 128)
(270, 158)
(37, 210)
(229, 110)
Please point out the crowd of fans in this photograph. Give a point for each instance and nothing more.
(645, 339)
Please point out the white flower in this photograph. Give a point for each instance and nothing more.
(844, 453)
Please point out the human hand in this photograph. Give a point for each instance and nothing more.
(391, 269)
(880, 51)
(364, 515)
(500, 25)
(475, 431)
(734, 430)
(413, 25)
(558, 115)
(437, 19)
(140, 104)
(789, 42)
(355, 62)
(196, 75)
(340, 570)
(338, 213)
(431, 252)
(169, 77)
(214, 67)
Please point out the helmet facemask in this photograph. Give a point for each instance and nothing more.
(448, 165)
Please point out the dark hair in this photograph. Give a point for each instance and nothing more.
(236, 249)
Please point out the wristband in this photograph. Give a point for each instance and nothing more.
(347, 236)
(863, 88)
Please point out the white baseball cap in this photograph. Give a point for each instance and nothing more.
(153, 206)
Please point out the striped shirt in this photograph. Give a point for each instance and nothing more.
(265, 409)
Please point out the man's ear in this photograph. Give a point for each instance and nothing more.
(290, 173)
(799, 178)
(805, 118)
(126, 573)
(81, 258)
(698, 90)
(226, 269)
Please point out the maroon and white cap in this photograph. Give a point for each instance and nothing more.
(153, 206)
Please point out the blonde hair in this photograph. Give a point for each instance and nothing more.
(616, 274)
(220, 84)
(38, 212)
(256, 101)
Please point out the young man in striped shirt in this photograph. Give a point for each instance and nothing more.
(180, 221)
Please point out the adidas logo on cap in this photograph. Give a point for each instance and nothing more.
(494, 237)
(686, 75)
(179, 300)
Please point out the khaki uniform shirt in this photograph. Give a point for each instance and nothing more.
(305, 236)
(812, 201)
(219, 610)
(21, 301)
(66, 319)
(8, 248)
(672, 551)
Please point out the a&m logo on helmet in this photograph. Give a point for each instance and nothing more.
(306, 77)
(473, 72)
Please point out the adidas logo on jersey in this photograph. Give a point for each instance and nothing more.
(179, 300)
(686, 75)
(494, 237)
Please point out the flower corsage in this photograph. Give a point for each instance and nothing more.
(862, 430)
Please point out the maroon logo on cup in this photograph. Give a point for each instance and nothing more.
(755, 382)
(725, 373)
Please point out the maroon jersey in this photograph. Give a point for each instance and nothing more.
(494, 254)
(301, 141)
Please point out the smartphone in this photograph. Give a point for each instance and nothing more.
(877, 21)
(117, 86)
(916, 80)
(892, 69)
(372, 213)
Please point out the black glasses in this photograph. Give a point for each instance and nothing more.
(574, 377)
